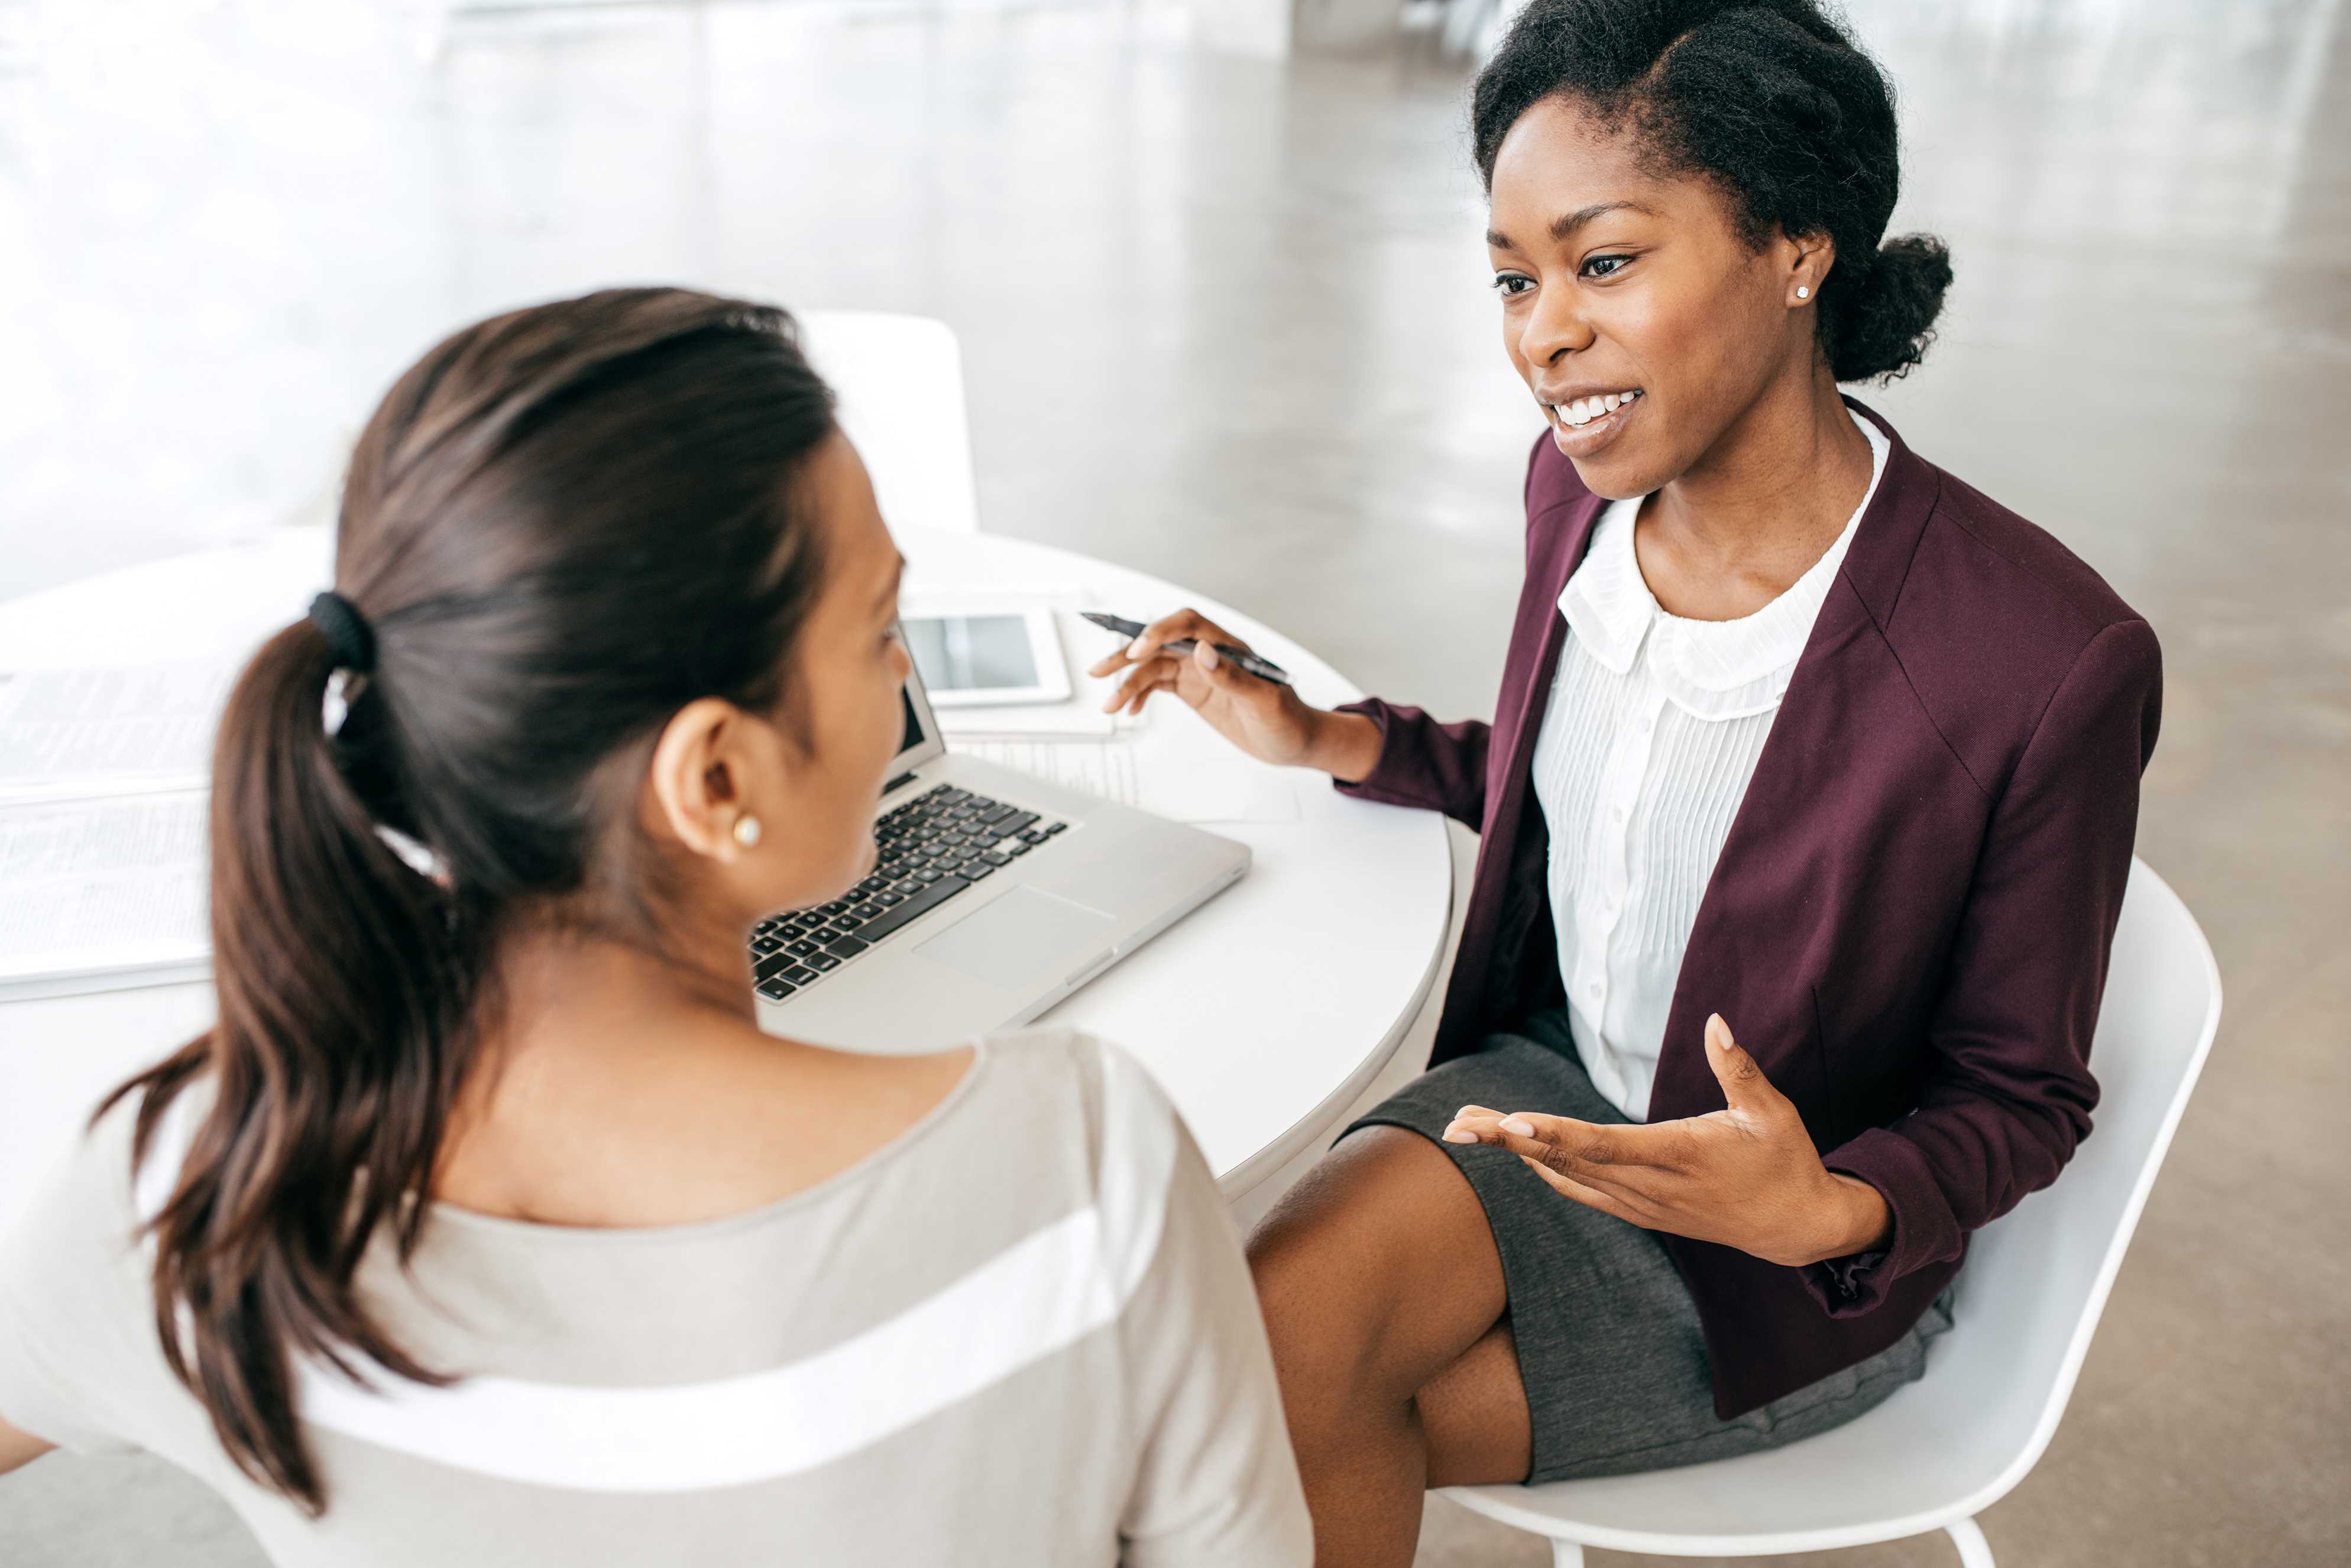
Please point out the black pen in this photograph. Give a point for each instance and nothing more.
(1263, 669)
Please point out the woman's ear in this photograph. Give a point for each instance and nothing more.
(1808, 260)
(695, 787)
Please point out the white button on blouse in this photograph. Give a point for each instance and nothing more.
(1653, 730)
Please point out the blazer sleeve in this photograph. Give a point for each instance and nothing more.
(2008, 1092)
(1437, 767)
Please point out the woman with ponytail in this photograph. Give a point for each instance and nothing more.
(486, 1226)
(1806, 813)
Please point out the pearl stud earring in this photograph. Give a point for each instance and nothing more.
(1802, 292)
(746, 831)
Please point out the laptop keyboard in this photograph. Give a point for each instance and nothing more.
(932, 848)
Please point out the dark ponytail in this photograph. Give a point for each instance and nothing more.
(1879, 317)
(346, 1001)
(560, 525)
(1774, 102)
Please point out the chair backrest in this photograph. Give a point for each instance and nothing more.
(2036, 1281)
(901, 383)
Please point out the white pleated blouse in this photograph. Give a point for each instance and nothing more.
(1653, 730)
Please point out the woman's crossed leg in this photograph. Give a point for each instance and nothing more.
(1384, 1297)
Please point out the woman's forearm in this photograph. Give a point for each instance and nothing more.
(1346, 746)
(19, 1447)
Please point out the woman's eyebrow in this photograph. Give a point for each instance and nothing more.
(1568, 222)
(1562, 227)
(890, 591)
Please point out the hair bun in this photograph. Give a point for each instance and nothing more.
(1881, 317)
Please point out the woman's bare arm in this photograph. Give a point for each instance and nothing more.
(19, 1448)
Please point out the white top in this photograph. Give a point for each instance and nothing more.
(1653, 731)
(1022, 1333)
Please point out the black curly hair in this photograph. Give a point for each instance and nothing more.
(1772, 100)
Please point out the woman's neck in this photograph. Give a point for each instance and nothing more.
(1754, 513)
(626, 1092)
(621, 1088)
(568, 986)
(576, 1024)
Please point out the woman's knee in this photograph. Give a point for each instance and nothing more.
(1376, 1270)
(1340, 1235)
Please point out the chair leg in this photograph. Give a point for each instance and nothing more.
(1975, 1551)
(1566, 1554)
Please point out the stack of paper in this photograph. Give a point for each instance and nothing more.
(107, 731)
(102, 814)
(1177, 769)
(101, 892)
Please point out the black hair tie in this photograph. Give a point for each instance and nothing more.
(347, 632)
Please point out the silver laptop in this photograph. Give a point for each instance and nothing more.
(995, 896)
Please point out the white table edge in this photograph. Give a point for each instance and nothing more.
(1247, 1177)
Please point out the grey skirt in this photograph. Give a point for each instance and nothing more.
(1609, 1346)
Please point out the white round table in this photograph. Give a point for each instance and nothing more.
(1265, 1014)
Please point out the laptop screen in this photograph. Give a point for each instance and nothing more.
(914, 725)
(921, 740)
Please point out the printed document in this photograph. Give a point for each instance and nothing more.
(102, 886)
(71, 732)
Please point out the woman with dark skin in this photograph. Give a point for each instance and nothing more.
(1754, 470)
(1686, 203)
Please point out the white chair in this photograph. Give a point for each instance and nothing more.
(1945, 1448)
(901, 383)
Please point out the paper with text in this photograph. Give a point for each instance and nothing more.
(1184, 783)
(75, 731)
(102, 884)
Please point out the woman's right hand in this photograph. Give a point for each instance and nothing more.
(1265, 719)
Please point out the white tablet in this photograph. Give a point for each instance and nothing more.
(993, 658)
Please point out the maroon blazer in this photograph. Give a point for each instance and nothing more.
(1910, 924)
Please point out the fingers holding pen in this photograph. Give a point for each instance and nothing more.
(1152, 664)
(1183, 625)
(1158, 673)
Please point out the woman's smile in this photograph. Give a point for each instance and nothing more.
(1584, 422)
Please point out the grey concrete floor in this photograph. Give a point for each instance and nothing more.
(1226, 320)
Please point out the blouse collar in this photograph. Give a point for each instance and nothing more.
(1712, 669)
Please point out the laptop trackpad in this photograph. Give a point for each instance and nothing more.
(1026, 936)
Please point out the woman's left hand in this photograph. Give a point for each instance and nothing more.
(1746, 1177)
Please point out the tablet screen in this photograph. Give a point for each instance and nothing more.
(971, 652)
